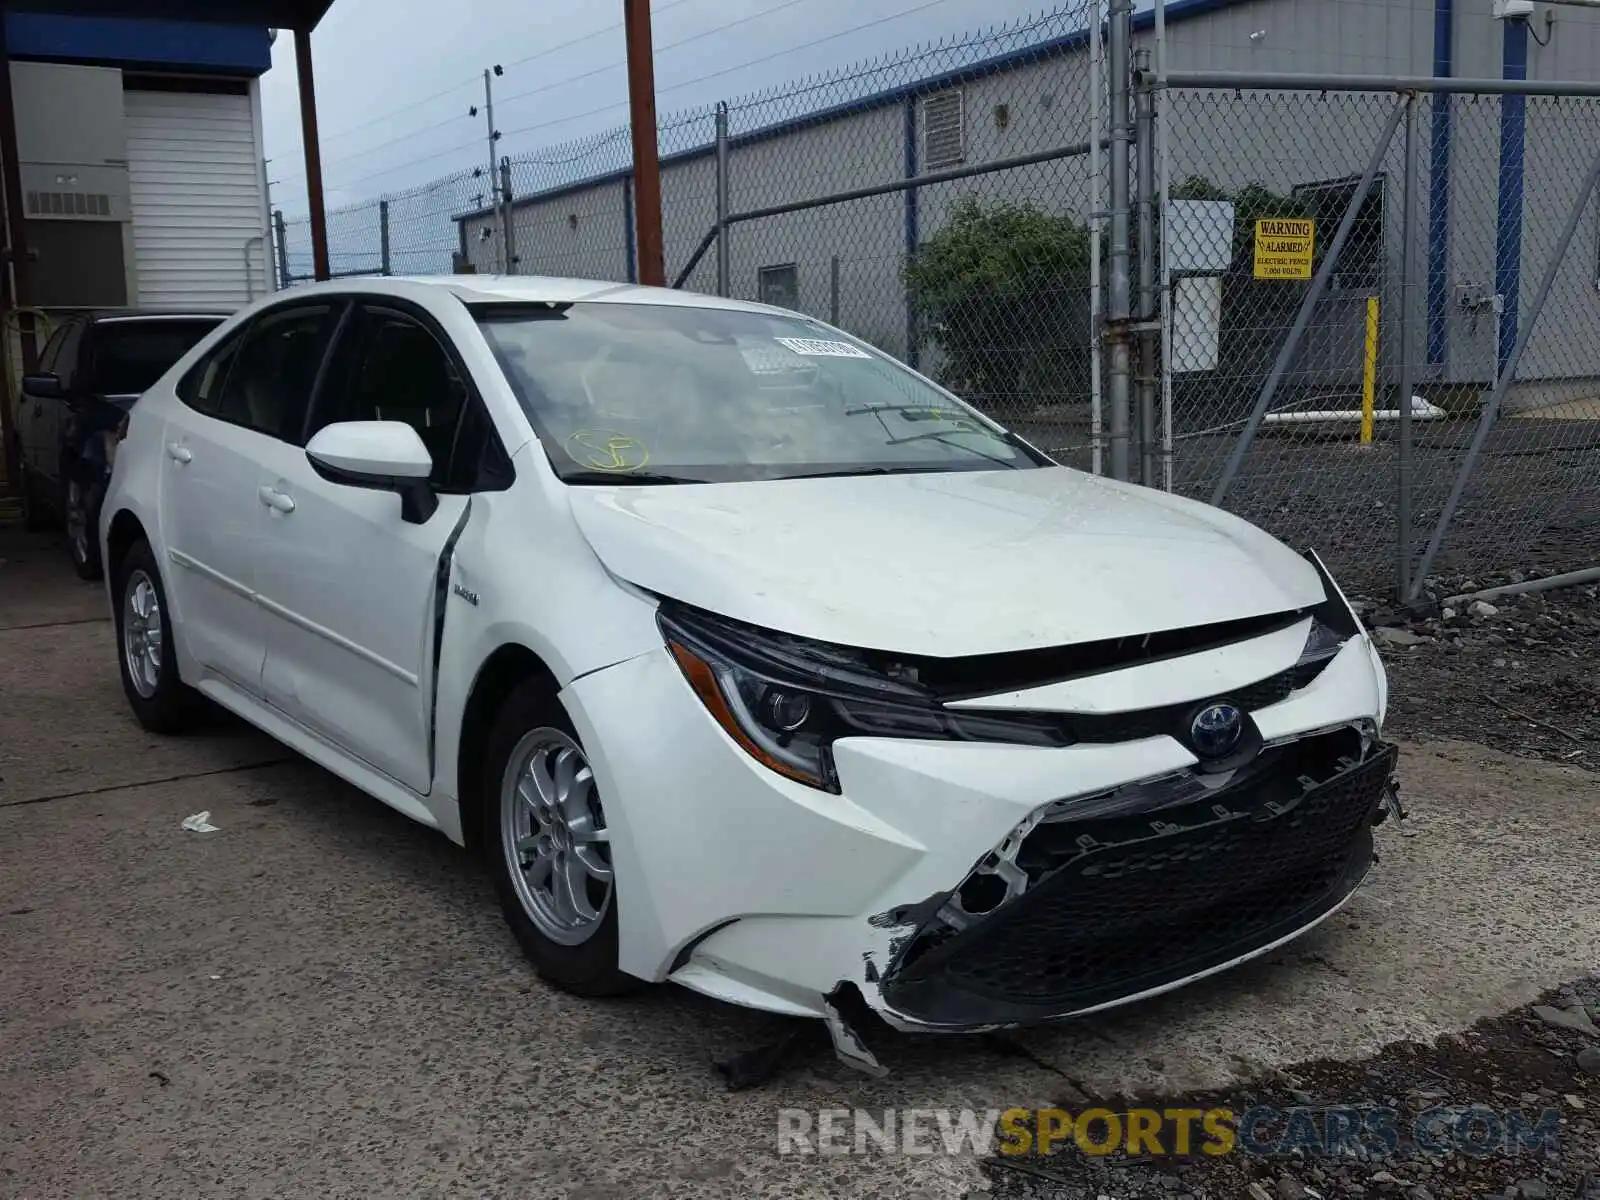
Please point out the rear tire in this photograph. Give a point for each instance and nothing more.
(547, 846)
(83, 528)
(146, 656)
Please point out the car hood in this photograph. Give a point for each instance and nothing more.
(946, 564)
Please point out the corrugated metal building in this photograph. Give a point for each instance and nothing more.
(1497, 181)
(141, 161)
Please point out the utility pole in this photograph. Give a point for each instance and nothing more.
(646, 160)
(281, 228)
(508, 216)
(494, 136)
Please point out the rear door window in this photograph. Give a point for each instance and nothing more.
(202, 384)
(269, 384)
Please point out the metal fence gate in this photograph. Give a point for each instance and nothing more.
(1422, 396)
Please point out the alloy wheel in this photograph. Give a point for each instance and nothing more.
(555, 838)
(141, 633)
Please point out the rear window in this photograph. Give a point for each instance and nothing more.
(129, 356)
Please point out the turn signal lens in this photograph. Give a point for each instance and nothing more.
(726, 697)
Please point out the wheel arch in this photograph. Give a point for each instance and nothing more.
(507, 668)
(125, 530)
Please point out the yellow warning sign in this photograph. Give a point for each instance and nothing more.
(1284, 248)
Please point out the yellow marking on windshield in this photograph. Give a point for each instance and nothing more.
(608, 450)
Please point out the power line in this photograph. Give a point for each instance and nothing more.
(604, 108)
(456, 87)
(548, 50)
(671, 4)
(927, 4)
(560, 83)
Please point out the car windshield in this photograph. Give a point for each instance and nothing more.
(131, 354)
(654, 393)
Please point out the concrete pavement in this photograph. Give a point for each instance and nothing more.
(321, 999)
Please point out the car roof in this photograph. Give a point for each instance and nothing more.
(160, 314)
(526, 289)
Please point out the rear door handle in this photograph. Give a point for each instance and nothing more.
(276, 500)
(179, 453)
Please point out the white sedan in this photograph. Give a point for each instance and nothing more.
(747, 657)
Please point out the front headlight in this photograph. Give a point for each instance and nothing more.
(786, 700)
(1335, 624)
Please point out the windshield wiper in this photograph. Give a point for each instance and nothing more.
(944, 435)
(844, 472)
(625, 478)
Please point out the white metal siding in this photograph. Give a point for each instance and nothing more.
(197, 198)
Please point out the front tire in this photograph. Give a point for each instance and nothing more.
(36, 515)
(548, 846)
(161, 701)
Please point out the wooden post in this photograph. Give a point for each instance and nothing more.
(308, 137)
(646, 159)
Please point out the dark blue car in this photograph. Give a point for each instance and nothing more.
(93, 368)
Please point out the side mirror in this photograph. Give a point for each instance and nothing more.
(43, 386)
(385, 456)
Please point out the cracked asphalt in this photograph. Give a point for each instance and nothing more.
(321, 1000)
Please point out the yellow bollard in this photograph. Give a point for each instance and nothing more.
(1369, 372)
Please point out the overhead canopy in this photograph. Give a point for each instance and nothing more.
(275, 14)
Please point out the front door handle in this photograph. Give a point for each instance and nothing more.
(177, 453)
(276, 500)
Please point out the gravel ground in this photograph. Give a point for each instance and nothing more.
(1520, 1062)
(1533, 503)
(1518, 673)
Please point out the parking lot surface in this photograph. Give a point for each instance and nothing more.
(321, 999)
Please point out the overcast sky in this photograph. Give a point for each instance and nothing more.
(395, 78)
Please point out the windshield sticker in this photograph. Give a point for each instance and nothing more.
(765, 360)
(820, 348)
(608, 450)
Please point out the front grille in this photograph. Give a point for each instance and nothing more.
(1153, 722)
(1124, 904)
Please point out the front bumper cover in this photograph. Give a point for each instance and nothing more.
(1127, 904)
(757, 890)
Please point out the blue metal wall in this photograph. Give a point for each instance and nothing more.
(114, 42)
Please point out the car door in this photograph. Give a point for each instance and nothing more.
(239, 402)
(39, 417)
(351, 589)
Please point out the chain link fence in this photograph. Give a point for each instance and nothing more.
(1294, 367)
(1366, 318)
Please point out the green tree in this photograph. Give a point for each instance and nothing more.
(995, 287)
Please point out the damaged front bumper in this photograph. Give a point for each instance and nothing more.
(1108, 899)
(969, 886)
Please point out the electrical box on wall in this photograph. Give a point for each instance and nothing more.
(1513, 10)
(70, 142)
(73, 168)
